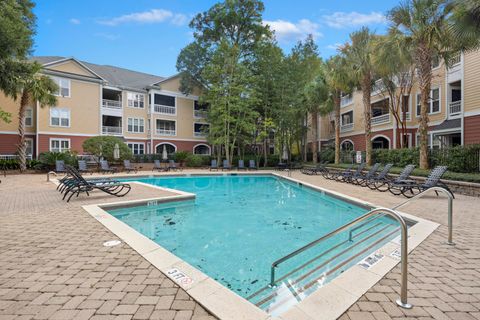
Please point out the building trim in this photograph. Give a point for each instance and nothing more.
(72, 76)
(67, 134)
(173, 93)
(65, 60)
(383, 136)
(202, 144)
(347, 140)
(160, 143)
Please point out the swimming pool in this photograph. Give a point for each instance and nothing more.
(239, 224)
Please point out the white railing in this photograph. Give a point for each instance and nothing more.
(111, 104)
(200, 113)
(111, 130)
(384, 118)
(346, 100)
(13, 156)
(158, 108)
(199, 134)
(378, 87)
(456, 60)
(406, 116)
(346, 127)
(164, 132)
(455, 108)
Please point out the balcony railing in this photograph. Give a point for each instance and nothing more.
(164, 132)
(200, 113)
(456, 60)
(346, 100)
(199, 134)
(109, 130)
(455, 108)
(158, 108)
(13, 156)
(111, 104)
(346, 127)
(384, 118)
(406, 116)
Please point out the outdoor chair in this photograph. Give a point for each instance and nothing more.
(81, 185)
(393, 185)
(241, 165)
(83, 168)
(213, 165)
(362, 179)
(105, 167)
(60, 166)
(410, 188)
(172, 165)
(252, 165)
(379, 178)
(127, 166)
(332, 174)
(158, 166)
(349, 175)
(226, 165)
(319, 168)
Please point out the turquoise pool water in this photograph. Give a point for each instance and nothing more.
(238, 225)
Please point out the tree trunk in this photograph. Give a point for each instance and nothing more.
(367, 115)
(424, 65)
(315, 136)
(22, 148)
(336, 102)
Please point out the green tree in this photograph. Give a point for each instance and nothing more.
(104, 146)
(33, 87)
(425, 27)
(465, 23)
(17, 27)
(359, 56)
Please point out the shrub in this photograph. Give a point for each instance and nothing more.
(46, 160)
(327, 154)
(103, 146)
(181, 156)
(196, 160)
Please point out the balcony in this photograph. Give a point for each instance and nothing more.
(164, 132)
(112, 131)
(384, 118)
(455, 72)
(111, 104)
(199, 134)
(200, 114)
(346, 100)
(346, 127)
(158, 108)
(454, 108)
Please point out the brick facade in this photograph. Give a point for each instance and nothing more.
(9, 143)
(472, 130)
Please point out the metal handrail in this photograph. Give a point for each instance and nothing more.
(402, 302)
(420, 195)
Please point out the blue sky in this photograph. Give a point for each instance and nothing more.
(147, 35)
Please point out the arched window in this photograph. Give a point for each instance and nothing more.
(171, 148)
(346, 145)
(380, 142)
(202, 149)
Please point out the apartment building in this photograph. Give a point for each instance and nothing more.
(454, 111)
(147, 112)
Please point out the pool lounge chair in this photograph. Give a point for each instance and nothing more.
(390, 184)
(105, 167)
(362, 179)
(349, 175)
(127, 166)
(226, 165)
(379, 178)
(410, 188)
(332, 174)
(172, 165)
(81, 185)
(252, 165)
(318, 169)
(60, 166)
(241, 165)
(213, 165)
(83, 168)
(158, 166)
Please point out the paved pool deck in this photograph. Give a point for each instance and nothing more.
(53, 264)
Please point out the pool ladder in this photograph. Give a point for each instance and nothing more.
(374, 214)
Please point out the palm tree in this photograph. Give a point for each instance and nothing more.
(359, 56)
(424, 25)
(34, 87)
(465, 23)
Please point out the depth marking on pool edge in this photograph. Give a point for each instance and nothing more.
(179, 277)
(371, 260)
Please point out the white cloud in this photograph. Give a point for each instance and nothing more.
(288, 31)
(352, 19)
(151, 16)
(74, 21)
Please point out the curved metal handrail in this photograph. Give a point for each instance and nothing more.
(49, 173)
(402, 302)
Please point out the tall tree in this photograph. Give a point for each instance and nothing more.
(465, 23)
(33, 88)
(424, 26)
(359, 56)
(17, 27)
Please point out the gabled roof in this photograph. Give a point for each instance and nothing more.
(113, 76)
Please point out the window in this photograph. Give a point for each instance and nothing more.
(405, 104)
(200, 110)
(435, 61)
(137, 148)
(29, 117)
(380, 108)
(135, 100)
(164, 104)
(166, 127)
(347, 118)
(63, 87)
(434, 106)
(59, 145)
(59, 117)
(29, 145)
(200, 129)
(202, 149)
(136, 125)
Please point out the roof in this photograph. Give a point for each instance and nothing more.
(115, 76)
(448, 124)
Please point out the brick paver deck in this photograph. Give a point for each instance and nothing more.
(53, 264)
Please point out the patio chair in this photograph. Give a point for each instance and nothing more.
(319, 168)
(226, 165)
(81, 185)
(362, 179)
(83, 168)
(241, 165)
(127, 166)
(158, 166)
(390, 184)
(60, 166)
(105, 167)
(252, 165)
(332, 174)
(349, 175)
(410, 188)
(213, 165)
(379, 178)
(172, 165)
